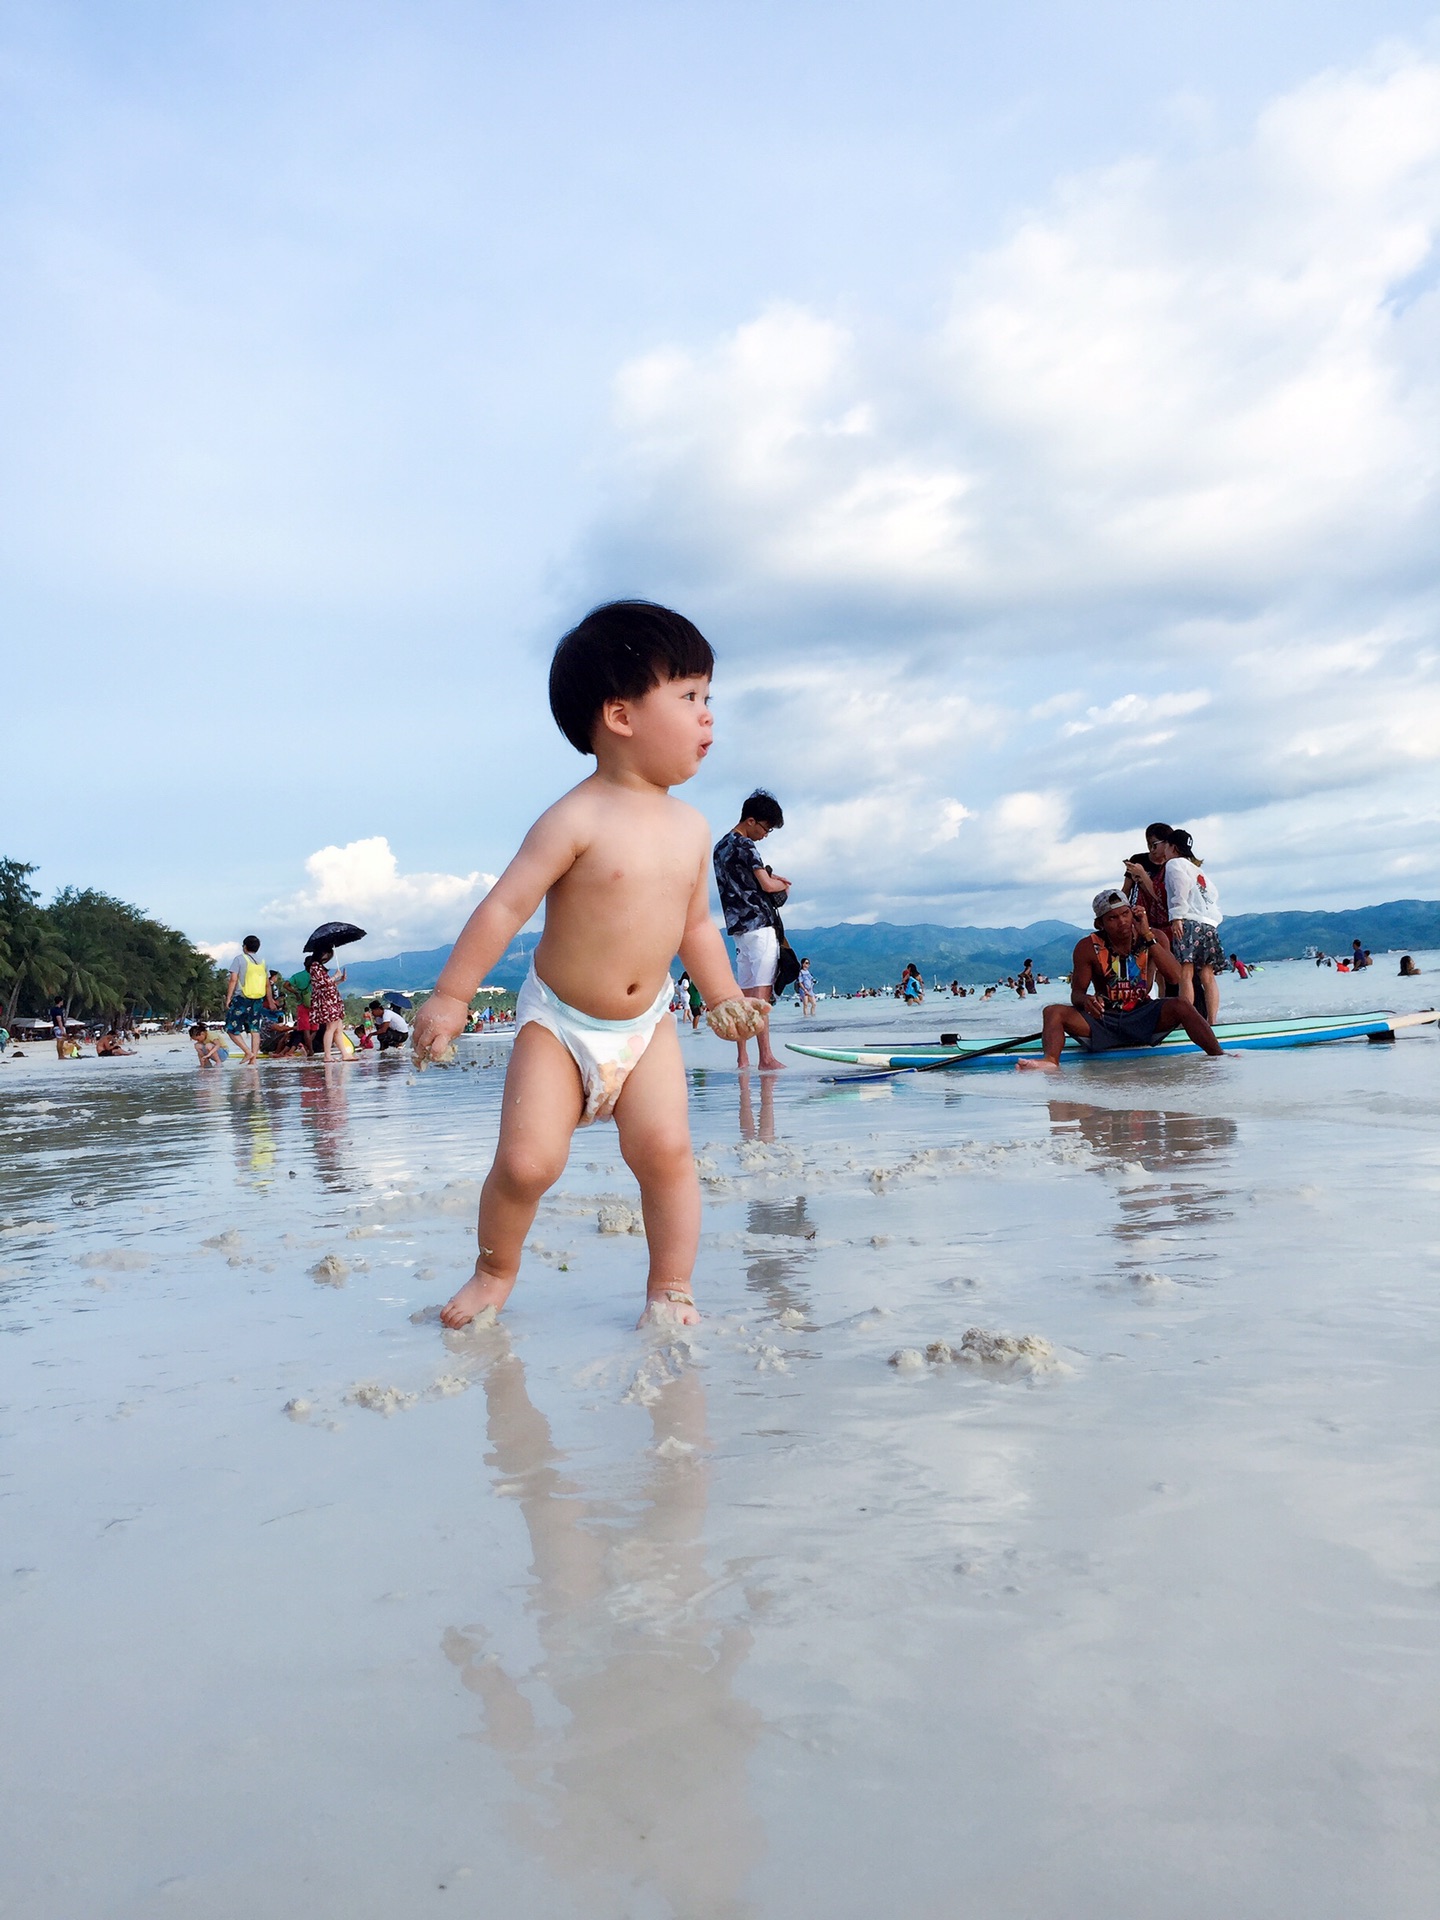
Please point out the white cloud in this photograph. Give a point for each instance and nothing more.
(362, 881)
(1145, 527)
(1200, 376)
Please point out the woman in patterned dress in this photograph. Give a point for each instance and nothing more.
(327, 1009)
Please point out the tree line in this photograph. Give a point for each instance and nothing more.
(97, 955)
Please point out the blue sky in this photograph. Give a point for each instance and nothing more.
(1036, 407)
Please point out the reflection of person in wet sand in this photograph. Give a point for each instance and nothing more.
(640, 1778)
(622, 869)
(771, 1274)
(326, 1118)
(1113, 973)
(765, 1131)
(1160, 1141)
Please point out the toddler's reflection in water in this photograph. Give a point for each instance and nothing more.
(643, 1779)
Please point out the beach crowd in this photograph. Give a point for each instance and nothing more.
(623, 870)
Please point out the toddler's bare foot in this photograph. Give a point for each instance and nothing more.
(1037, 1066)
(669, 1307)
(480, 1291)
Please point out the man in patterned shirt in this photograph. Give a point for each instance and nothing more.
(749, 896)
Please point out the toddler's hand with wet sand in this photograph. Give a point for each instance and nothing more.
(738, 1019)
(437, 1025)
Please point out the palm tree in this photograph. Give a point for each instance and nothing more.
(93, 984)
(30, 952)
(37, 962)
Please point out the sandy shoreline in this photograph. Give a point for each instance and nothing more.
(559, 1620)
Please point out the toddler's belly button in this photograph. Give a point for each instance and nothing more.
(634, 989)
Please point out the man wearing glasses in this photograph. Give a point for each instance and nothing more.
(750, 894)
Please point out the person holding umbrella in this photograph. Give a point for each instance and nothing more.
(327, 1009)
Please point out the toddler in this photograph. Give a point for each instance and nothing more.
(623, 870)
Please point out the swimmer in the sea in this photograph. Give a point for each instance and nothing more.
(623, 870)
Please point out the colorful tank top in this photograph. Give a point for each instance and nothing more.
(1123, 978)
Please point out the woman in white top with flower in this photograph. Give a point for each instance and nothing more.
(1193, 904)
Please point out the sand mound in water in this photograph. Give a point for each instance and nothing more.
(1023, 1353)
(377, 1399)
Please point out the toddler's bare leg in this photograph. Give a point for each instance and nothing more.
(540, 1110)
(653, 1115)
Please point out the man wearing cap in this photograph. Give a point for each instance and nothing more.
(1112, 973)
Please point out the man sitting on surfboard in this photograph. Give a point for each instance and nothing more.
(1112, 973)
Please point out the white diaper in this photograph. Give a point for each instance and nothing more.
(606, 1051)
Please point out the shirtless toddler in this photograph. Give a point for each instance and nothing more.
(623, 870)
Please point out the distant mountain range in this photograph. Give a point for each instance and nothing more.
(850, 956)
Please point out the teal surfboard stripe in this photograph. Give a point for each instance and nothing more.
(1249, 1036)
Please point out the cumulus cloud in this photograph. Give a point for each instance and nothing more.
(362, 881)
(1145, 525)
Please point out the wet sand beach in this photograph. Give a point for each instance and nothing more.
(311, 1607)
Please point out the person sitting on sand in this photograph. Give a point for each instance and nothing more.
(110, 1045)
(622, 869)
(208, 1050)
(1112, 974)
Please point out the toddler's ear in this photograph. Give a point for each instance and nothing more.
(615, 718)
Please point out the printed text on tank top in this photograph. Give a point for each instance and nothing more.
(1123, 979)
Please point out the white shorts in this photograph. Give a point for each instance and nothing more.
(757, 955)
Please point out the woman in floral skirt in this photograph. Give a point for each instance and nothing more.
(327, 1009)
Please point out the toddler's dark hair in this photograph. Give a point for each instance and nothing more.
(764, 807)
(619, 652)
(195, 1032)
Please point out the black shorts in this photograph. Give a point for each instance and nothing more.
(1133, 1029)
(388, 1037)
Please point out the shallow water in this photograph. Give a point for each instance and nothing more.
(750, 1624)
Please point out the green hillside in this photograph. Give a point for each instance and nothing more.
(849, 956)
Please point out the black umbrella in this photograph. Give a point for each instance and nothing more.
(334, 933)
